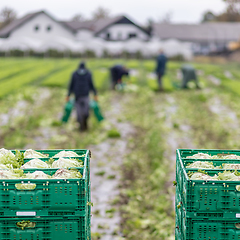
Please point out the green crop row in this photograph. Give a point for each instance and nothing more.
(59, 79)
(101, 79)
(16, 82)
(16, 69)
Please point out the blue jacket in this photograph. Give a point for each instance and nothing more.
(81, 83)
(161, 64)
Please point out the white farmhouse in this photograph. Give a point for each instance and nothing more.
(118, 28)
(38, 25)
(42, 27)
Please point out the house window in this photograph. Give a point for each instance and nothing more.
(108, 36)
(49, 28)
(119, 36)
(132, 35)
(36, 28)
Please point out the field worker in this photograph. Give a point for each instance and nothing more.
(188, 74)
(117, 72)
(80, 85)
(160, 68)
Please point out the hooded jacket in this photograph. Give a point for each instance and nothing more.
(81, 83)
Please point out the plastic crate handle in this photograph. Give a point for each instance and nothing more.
(25, 186)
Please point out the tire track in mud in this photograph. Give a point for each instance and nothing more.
(105, 168)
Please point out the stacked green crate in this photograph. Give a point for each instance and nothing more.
(206, 209)
(39, 209)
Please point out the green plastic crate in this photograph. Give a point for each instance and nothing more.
(48, 228)
(51, 153)
(50, 197)
(202, 229)
(210, 196)
(183, 153)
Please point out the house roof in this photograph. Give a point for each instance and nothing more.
(218, 31)
(100, 25)
(6, 31)
(96, 26)
(75, 25)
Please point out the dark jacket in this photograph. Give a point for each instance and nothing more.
(161, 64)
(81, 83)
(117, 72)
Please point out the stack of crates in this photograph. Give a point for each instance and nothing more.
(206, 209)
(52, 209)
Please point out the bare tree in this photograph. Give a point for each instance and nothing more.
(167, 18)
(149, 25)
(7, 15)
(101, 13)
(232, 12)
(233, 6)
(78, 18)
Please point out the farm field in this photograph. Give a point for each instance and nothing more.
(133, 163)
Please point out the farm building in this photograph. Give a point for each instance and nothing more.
(205, 38)
(40, 32)
(42, 26)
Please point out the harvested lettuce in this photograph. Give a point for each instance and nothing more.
(201, 176)
(228, 176)
(10, 174)
(35, 163)
(7, 166)
(65, 174)
(67, 163)
(199, 164)
(200, 156)
(222, 176)
(218, 156)
(231, 166)
(37, 175)
(66, 154)
(231, 156)
(4, 151)
(8, 158)
(33, 154)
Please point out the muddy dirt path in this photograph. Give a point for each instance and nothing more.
(105, 164)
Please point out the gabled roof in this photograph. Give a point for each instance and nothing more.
(75, 25)
(6, 31)
(215, 31)
(103, 24)
(100, 25)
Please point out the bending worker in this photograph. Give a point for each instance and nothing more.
(80, 85)
(117, 72)
(189, 74)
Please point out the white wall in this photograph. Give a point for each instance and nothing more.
(43, 21)
(84, 34)
(121, 32)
